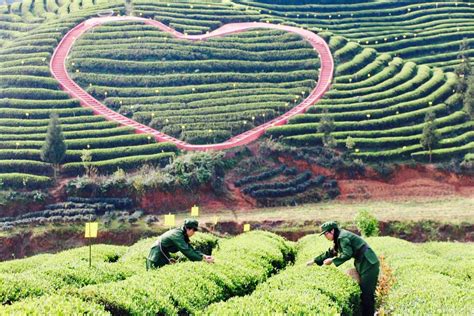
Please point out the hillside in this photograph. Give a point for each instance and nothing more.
(208, 92)
(425, 32)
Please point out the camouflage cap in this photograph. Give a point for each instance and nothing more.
(328, 226)
(191, 223)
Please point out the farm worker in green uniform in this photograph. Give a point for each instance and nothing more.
(346, 246)
(173, 241)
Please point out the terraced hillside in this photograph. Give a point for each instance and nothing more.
(426, 32)
(200, 92)
(28, 94)
(378, 99)
(380, 102)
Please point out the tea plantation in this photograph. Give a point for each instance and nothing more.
(254, 273)
(393, 65)
(400, 90)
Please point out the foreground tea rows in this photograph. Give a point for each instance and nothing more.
(254, 273)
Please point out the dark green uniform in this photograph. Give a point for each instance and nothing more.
(366, 263)
(172, 241)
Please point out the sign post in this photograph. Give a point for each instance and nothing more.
(195, 211)
(91, 232)
(170, 220)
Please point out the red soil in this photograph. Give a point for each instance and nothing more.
(407, 182)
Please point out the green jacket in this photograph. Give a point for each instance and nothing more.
(350, 246)
(172, 241)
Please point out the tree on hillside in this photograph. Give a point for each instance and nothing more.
(54, 147)
(430, 137)
(9, 5)
(468, 98)
(464, 69)
(326, 126)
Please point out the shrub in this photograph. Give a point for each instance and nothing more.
(367, 223)
(55, 304)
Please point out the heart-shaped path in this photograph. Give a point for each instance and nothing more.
(58, 69)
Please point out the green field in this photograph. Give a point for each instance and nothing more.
(269, 270)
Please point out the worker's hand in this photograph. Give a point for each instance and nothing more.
(328, 261)
(209, 259)
(310, 263)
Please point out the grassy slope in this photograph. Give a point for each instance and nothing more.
(453, 210)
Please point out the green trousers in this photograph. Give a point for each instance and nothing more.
(369, 274)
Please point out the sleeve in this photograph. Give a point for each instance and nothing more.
(320, 259)
(188, 250)
(345, 253)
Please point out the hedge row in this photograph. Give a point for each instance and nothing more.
(444, 154)
(68, 270)
(204, 53)
(396, 73)
(298, 290)
(414, 117)
(25, 114)
(290, 190)
(445, 283)
(33, 94)
(356, 62)
(26, 167)
(452, 124)
(195, 99)
(84, 79)
(56, 304)
(78, 216)
(73, 135)
(125, 163)
(40, 129)
(267, 174)
(77, 120)
(191, 93)
(241, 264)
(211, 66)
(423, 80)
(24, 181)
(119, 203)
(38, 104)
(300, 178)
(113, 141)
(117, 152)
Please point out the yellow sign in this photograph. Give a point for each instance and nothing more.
(91, 230)
(195, 210)
(170, 220)
(246, 227)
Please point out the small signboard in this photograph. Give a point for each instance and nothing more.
(170, 220)
(195, 210)
(91, 230)
(246, 227)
